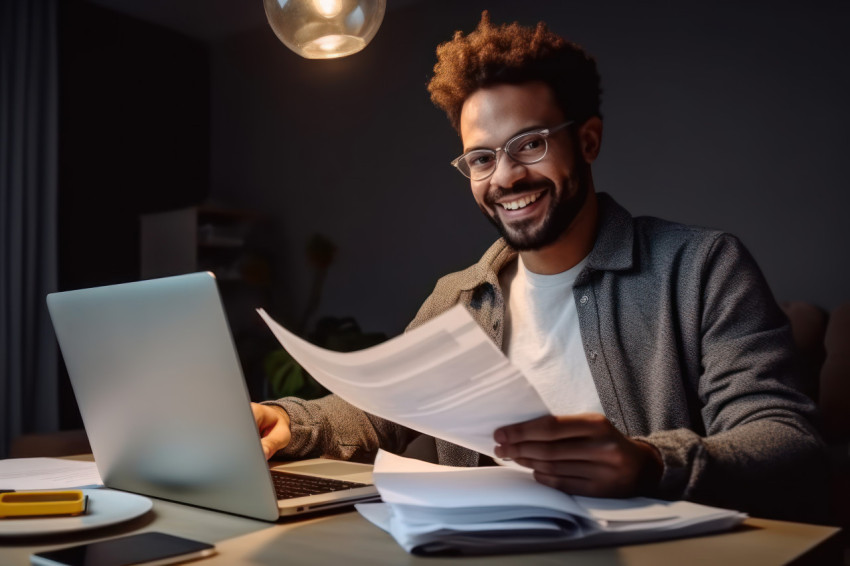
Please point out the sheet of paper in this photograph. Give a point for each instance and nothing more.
(47, 473)
(445, 378)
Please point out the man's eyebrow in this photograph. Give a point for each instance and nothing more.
(512, 136)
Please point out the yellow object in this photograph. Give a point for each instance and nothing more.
(35, 503)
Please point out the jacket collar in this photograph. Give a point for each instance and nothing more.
(614, 246)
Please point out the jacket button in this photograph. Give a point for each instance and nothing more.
(583, 299)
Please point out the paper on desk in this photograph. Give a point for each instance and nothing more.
(47, 473)
(431, 509)
(445, 378)
(408, 481)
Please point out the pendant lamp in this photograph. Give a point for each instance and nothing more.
(325, 29)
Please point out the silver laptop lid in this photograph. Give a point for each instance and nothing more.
(161, 393)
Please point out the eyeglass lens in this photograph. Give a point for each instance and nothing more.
(525, 148)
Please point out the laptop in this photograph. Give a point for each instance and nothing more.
(166, 409)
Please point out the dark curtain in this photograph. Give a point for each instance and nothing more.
(28, 224)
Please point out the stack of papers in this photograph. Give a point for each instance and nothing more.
(432, 509)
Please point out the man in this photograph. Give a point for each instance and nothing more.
(658, 346)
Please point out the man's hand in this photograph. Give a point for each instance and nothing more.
(273, 424)
(581, 455)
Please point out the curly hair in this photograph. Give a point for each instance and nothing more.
(514, 54)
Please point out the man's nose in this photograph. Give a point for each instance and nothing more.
(508, 171)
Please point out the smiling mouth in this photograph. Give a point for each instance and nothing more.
(521, 202)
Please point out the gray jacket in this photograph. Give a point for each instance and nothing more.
(688, 351)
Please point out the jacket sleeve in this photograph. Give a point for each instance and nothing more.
(760, 451)
(333, 428)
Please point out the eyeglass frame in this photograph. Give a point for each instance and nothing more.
(544, 132)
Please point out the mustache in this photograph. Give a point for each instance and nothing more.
(519, 188)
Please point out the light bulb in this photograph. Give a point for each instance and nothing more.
(325, 29)
(328, 8)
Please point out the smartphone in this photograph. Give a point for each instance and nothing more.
(148, 549)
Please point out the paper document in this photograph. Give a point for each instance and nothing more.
(432, 509)
(445, 378)
(47, 473)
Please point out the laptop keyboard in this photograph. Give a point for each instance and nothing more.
(288, 485)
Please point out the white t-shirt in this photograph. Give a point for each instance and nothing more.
(543, 339)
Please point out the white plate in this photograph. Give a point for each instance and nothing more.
(105, 507)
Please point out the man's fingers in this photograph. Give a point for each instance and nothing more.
(273, 424)
(558, 450)
(267, 449)
(261, 416)
(580, 454)
(275, 438)
(552, 428)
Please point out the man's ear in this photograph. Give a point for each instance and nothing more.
(590, 139)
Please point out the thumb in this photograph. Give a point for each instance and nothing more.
(273, 425)
(276, 438)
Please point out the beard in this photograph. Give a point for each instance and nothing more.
(562, 211)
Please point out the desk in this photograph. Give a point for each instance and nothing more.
(346, 538)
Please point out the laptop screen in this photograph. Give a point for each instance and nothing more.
(161, 392)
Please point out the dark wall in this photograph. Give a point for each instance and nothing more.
(726, 114)
(134, 130)
(133, 138)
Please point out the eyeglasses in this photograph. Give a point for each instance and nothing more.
(526, 148)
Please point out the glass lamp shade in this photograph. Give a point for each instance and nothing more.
(325, 29)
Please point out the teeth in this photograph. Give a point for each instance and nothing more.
(521, 203)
